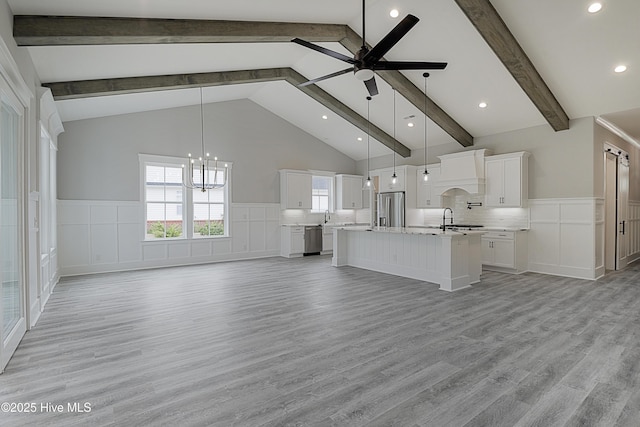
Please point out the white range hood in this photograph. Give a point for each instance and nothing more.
(463, 170)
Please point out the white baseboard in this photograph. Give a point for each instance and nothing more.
(563, 270)
(145, 265)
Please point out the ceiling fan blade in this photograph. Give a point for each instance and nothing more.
(321, 49)
(371, 85)
(409, 65)
(393, 37)
(328, 76)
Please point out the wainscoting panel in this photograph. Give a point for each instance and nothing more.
(599, 236)
(633, 230)
(562, 238)
(73, 243)
(102, 236)
(129, 249)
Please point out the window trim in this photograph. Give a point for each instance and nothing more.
(332, 196)
(187, 199)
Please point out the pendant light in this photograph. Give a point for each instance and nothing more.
(204, 167)
(425, 174)
(368, 181)
(394, 177)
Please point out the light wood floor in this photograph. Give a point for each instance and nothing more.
(283, 342)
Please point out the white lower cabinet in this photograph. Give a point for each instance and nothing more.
(505, 251)
(327, 240)
(291, 241)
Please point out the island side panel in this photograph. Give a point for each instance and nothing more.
(453, 260)
(406, 255)
(455, 265)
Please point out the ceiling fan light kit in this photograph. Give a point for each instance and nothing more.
(364, 74)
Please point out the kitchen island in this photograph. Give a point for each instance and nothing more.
(451, 259)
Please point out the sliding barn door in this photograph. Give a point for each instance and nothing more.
(623, 207)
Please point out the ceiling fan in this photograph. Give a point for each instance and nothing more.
(366, 61)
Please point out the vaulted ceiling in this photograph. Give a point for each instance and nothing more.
(533, 63)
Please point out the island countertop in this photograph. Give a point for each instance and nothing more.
(412, 230)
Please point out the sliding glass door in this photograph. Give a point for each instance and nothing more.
(12, 307)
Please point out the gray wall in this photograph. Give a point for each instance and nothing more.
(561, 164)
(98, 158)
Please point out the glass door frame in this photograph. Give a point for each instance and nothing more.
(10, 341)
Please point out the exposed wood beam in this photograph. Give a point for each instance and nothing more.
(35, 30)
(495, 32)
(124, 85)
(346, 113)
(60, 30)
(118, 86)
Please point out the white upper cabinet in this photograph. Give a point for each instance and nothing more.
(426, 197)
(348, 192)
(507, 180)
(295, 189)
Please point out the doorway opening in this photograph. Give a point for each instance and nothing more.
(616, 200)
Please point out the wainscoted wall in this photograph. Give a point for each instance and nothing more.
(633, 230)
(566, 237)
(101, 236)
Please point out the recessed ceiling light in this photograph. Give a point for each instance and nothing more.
(594, 7)
(394, 13)
(620, 69)
(482, 105)
(325, 117)
(359, 138)
(410, 124)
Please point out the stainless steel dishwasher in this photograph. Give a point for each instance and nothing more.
(312, 240)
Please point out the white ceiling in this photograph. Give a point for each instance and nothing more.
(574, 51)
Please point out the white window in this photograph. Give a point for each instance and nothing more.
(164, 200)
(321, 193)
(172, 210)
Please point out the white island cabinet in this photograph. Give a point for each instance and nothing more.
(451, 259)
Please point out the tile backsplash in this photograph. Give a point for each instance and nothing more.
(298, 216)
(457, 200)
(489, 217)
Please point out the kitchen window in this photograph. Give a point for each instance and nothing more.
(173, 211)
(321, 193)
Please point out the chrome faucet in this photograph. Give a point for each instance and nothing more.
(444, 226)
(327, 217)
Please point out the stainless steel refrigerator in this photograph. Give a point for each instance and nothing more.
(391, 209)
